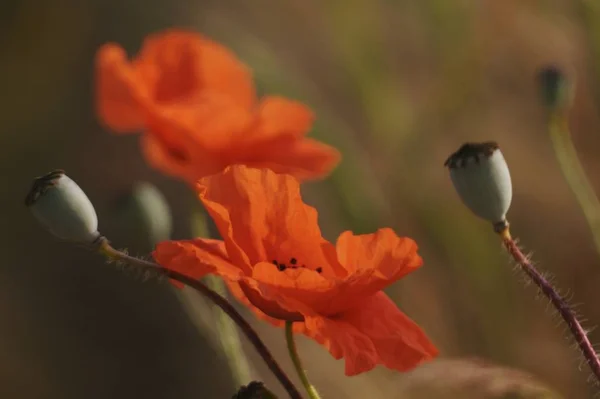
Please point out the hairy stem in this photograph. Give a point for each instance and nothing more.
(291, 344)
(558, 302)
(107, 250)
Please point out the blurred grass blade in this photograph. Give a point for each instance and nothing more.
(226, 329)
(574, 173)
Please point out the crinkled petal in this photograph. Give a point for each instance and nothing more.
(376, 332)
(197, 258)
(262, 218)
(121, 93)
(373, 262)
(376, 260)
(296, 290)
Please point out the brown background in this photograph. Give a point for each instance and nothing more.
(397, 85)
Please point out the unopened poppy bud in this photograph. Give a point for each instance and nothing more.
(481, 177)
(141, 217)
(59, 204)
(254, 390)
(555, 89)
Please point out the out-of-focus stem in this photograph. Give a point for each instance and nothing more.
(291, 344)
(557, 301)
(574, 173)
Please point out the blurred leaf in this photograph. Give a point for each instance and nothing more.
(575, 174)
(228, 335)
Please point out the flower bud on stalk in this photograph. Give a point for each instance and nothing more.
(59, 204)
(556, 90)
(482, 180)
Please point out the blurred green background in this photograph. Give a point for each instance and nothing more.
(397, 86)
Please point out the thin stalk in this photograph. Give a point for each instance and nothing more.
(558, 302)
(574, 173)
(107, 250)
(291, 344)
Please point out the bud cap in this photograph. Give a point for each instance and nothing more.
(59, 204)
(481, 178)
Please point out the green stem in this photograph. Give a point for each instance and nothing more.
(574, 173)
(291, 344)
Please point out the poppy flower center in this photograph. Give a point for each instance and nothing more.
(272, 308)
(293, 264)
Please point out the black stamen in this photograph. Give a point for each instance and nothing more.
(293, 261)
(319, 269)
(281, 267)
(276, 263)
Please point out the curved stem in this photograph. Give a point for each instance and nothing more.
(107, 250)
(291, 344)
(558, 302)
(574, 173)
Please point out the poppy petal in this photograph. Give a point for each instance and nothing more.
(196, 258)
(295, 290)
(303, 158)
(262, 218)
(187, 140)
(121, 94)
(183, 64)
(372, 262)
(376, 260)
(238, 293)
(212, 122)
(280, 117)
(376, 332)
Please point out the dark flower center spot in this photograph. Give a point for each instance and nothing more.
(294, 265)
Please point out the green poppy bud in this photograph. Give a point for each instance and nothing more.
(59, 204)
(141, 218)
(482, 180)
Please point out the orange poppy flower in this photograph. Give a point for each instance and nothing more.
(196, 103)
(276, 261)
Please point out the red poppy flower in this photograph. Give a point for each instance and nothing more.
(196, 104)
(276, 261)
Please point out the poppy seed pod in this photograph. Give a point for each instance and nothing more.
(555, 88)
(481, 177)
(59, 204)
